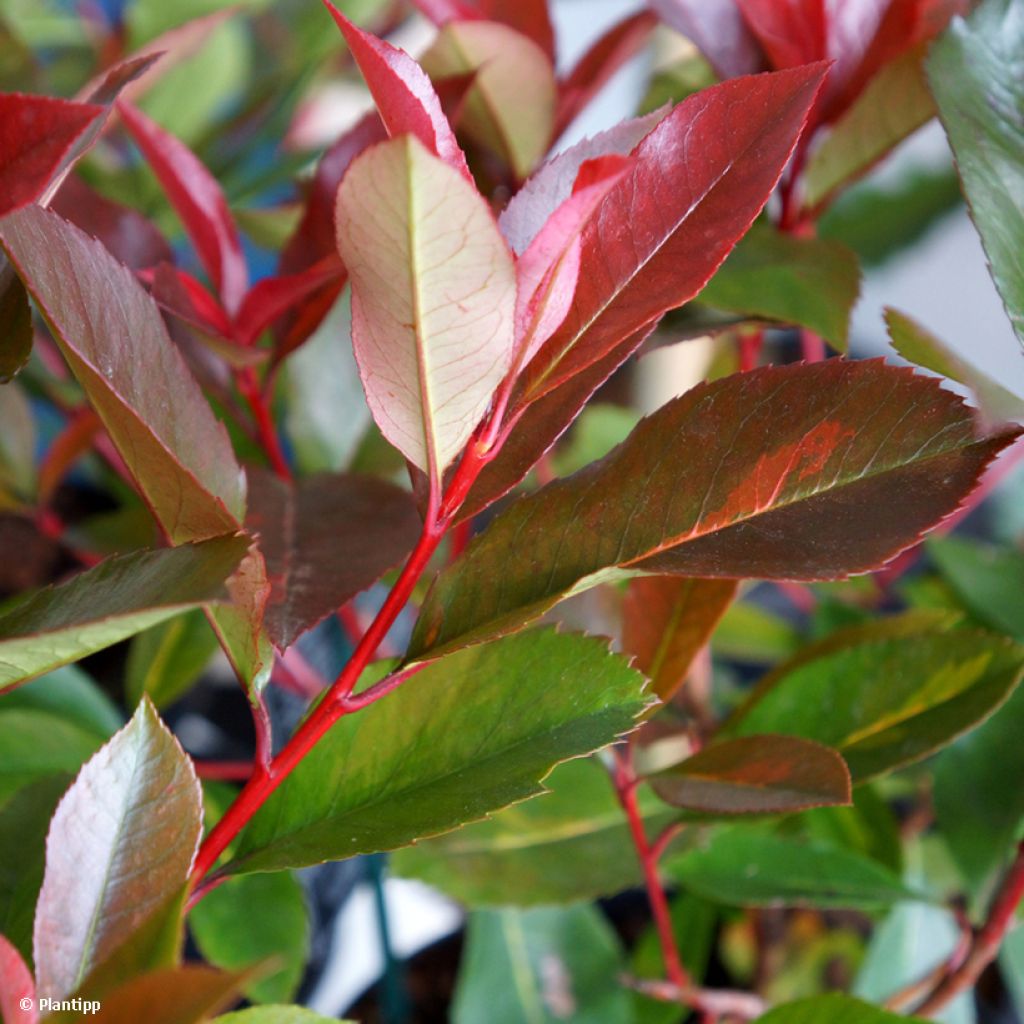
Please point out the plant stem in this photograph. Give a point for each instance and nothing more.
(712, 1003)
(250, 390)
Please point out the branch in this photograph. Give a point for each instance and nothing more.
(714, 1003)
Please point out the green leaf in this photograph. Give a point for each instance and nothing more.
(976, 72)
(979, 802)
(165, 661)
(114, 600)
(749, 633)
(598, 430)
(833, 1009)
(572, 843)
(35, 744)
(244, 921)
(16, 316)
(988, 580)
(744, 866)
(1011, 962)
(868, 827)
(541, 966)
(68, 693)
(895, 103)
(887, 693)
(111, 333)
(102, 882)
(460, 740)
(277, 1015)
(795, 472)
(756, 775)
(920, 346)
(17, 442)
(809, 282)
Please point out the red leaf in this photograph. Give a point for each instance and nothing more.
(199, 202)
(17, 988)
(700, 178)
(593, 70)
(530, 17)
(440, 12)
(181, 295)
(36, 135)
(718, 30)
(403, 93)
(791, 32)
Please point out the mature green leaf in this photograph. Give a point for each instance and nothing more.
(570, 844)
(744, 866)
(976, 71)
(325, 539)
(665, 623)
(887, 693)
(17, 444)
(541, 966)
(113, 600)
(429, 367)
(868, 826)
(920, 346)
(113, 336)
(598, 430)
(749, 633)
(756, 775)
(809, 282)
(989, 580)
(460, 740)
(245, 921)
(510, 107)
(895, 104)
(979, 802)
(276, 1015)
(165, 661)
(16, 316)
(1011, 962)
(795, 472)
(35, 744)
(68, 693)
(835, 1009)
(102, 882)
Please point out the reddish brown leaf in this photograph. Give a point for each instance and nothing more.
(717, 30)
(757, 775)
(16, 317)
(17, 987)
(791, 32)
(325, 539)
(667, 620)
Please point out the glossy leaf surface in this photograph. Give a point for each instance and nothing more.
(836, 1009)
(458, 741)
(114, 600)
(756, 775)
(137, 795)
(825, 497)
(976, 71)
(885, 694)
(432, 344)
(808, 282)
(325, 538)
(114, 338)
(570, 844)
(718, 30)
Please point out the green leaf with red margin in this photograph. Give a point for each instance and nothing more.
(808, 282)
(114, 600)
(703, 173)
(770, 774)
(976, 71)
(464, 738)
(667, 620)
(510, 106)
(836, 1009)
(17, 987)
(137, 795)
(111, 333)
(325, 538)
(804, 472)
(429, 368)
(887, 693)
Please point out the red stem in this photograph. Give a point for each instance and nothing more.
(223, 771)
(250, 390)
(750, 343)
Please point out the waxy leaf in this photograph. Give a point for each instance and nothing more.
(403, 93)
(17, 987)
(575, 945)
(196, 196)
(768, 474)
(325, 538)
(976, 71)
(665, 623)
(36, 134)
(165, 661)
(37, 744)
(699, 180)
(510, 105)
(138, 795)
(111, 333)
(458, 741)
(433, 341)
(747, 867)
(756, 775)
(116, 599)
(572, 843)
(808, 282)
(834, 1008)
(887, 693)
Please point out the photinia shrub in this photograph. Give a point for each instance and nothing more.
(343, 442)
